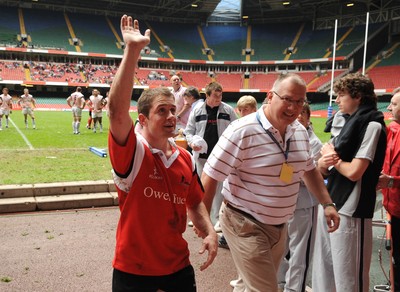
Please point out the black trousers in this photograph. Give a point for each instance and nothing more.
(396, 252)
(181, 281)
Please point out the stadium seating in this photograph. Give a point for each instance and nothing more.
(390, 55)
(270, 41)
(183, 40)
(12, 70)
(385, 77)
(99, 35)
(9, 26)
(94, 33)
(226, 46)
(384, 69)
(262, 80)
(58, 72)
(230, 82)
(322, 78)
(355, 38)
(198, 79)
(47, 30)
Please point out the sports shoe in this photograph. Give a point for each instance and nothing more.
(217, 227)
(87, 126)
(1, 129)
(190, 224)
(34, 127)
(233, 283)
(222, 242)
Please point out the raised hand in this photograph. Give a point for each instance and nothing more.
(131, 33)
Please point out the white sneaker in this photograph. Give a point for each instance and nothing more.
(233, 283)
(217, 227)
(190, 224)
(1, 129)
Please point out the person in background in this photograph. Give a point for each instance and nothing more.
(105, 103)
(182, 107)
(389, 182)
(352, 163)
(261, 159)
(151, 253)
(5, 106)
(96, 103)
(90, 108)
(76, 101)
(192, 97)
(301, 227)
(246, 105)
(206, 123)
(338, 122)
(27, 103)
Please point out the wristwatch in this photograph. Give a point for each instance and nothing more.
(328, 205)
(391, 181)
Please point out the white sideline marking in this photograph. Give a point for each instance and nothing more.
(22, 135)
(45, 149)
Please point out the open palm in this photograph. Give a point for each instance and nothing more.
(131, 33)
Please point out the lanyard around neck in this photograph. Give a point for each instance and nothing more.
(286, 152)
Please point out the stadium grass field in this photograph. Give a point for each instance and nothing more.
(51, 153)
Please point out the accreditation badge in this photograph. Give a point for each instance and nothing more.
(286, 173)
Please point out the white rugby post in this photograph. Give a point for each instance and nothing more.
(333, 71)
(365, 43)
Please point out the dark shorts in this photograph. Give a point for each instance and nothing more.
(181, 281)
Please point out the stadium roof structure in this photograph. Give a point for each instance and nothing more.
(295, 10)
(201, 11)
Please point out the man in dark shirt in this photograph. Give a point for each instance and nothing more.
(208, 121)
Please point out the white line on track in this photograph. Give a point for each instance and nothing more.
(22, 135)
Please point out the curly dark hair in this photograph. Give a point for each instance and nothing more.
(357, 85)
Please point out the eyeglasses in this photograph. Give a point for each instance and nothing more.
(289, 101)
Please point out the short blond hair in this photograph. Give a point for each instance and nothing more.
(247, 100)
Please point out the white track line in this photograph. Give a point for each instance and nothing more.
(22, 135)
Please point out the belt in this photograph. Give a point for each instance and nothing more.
(247, 215)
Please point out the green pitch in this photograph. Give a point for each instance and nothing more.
(51, 153)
